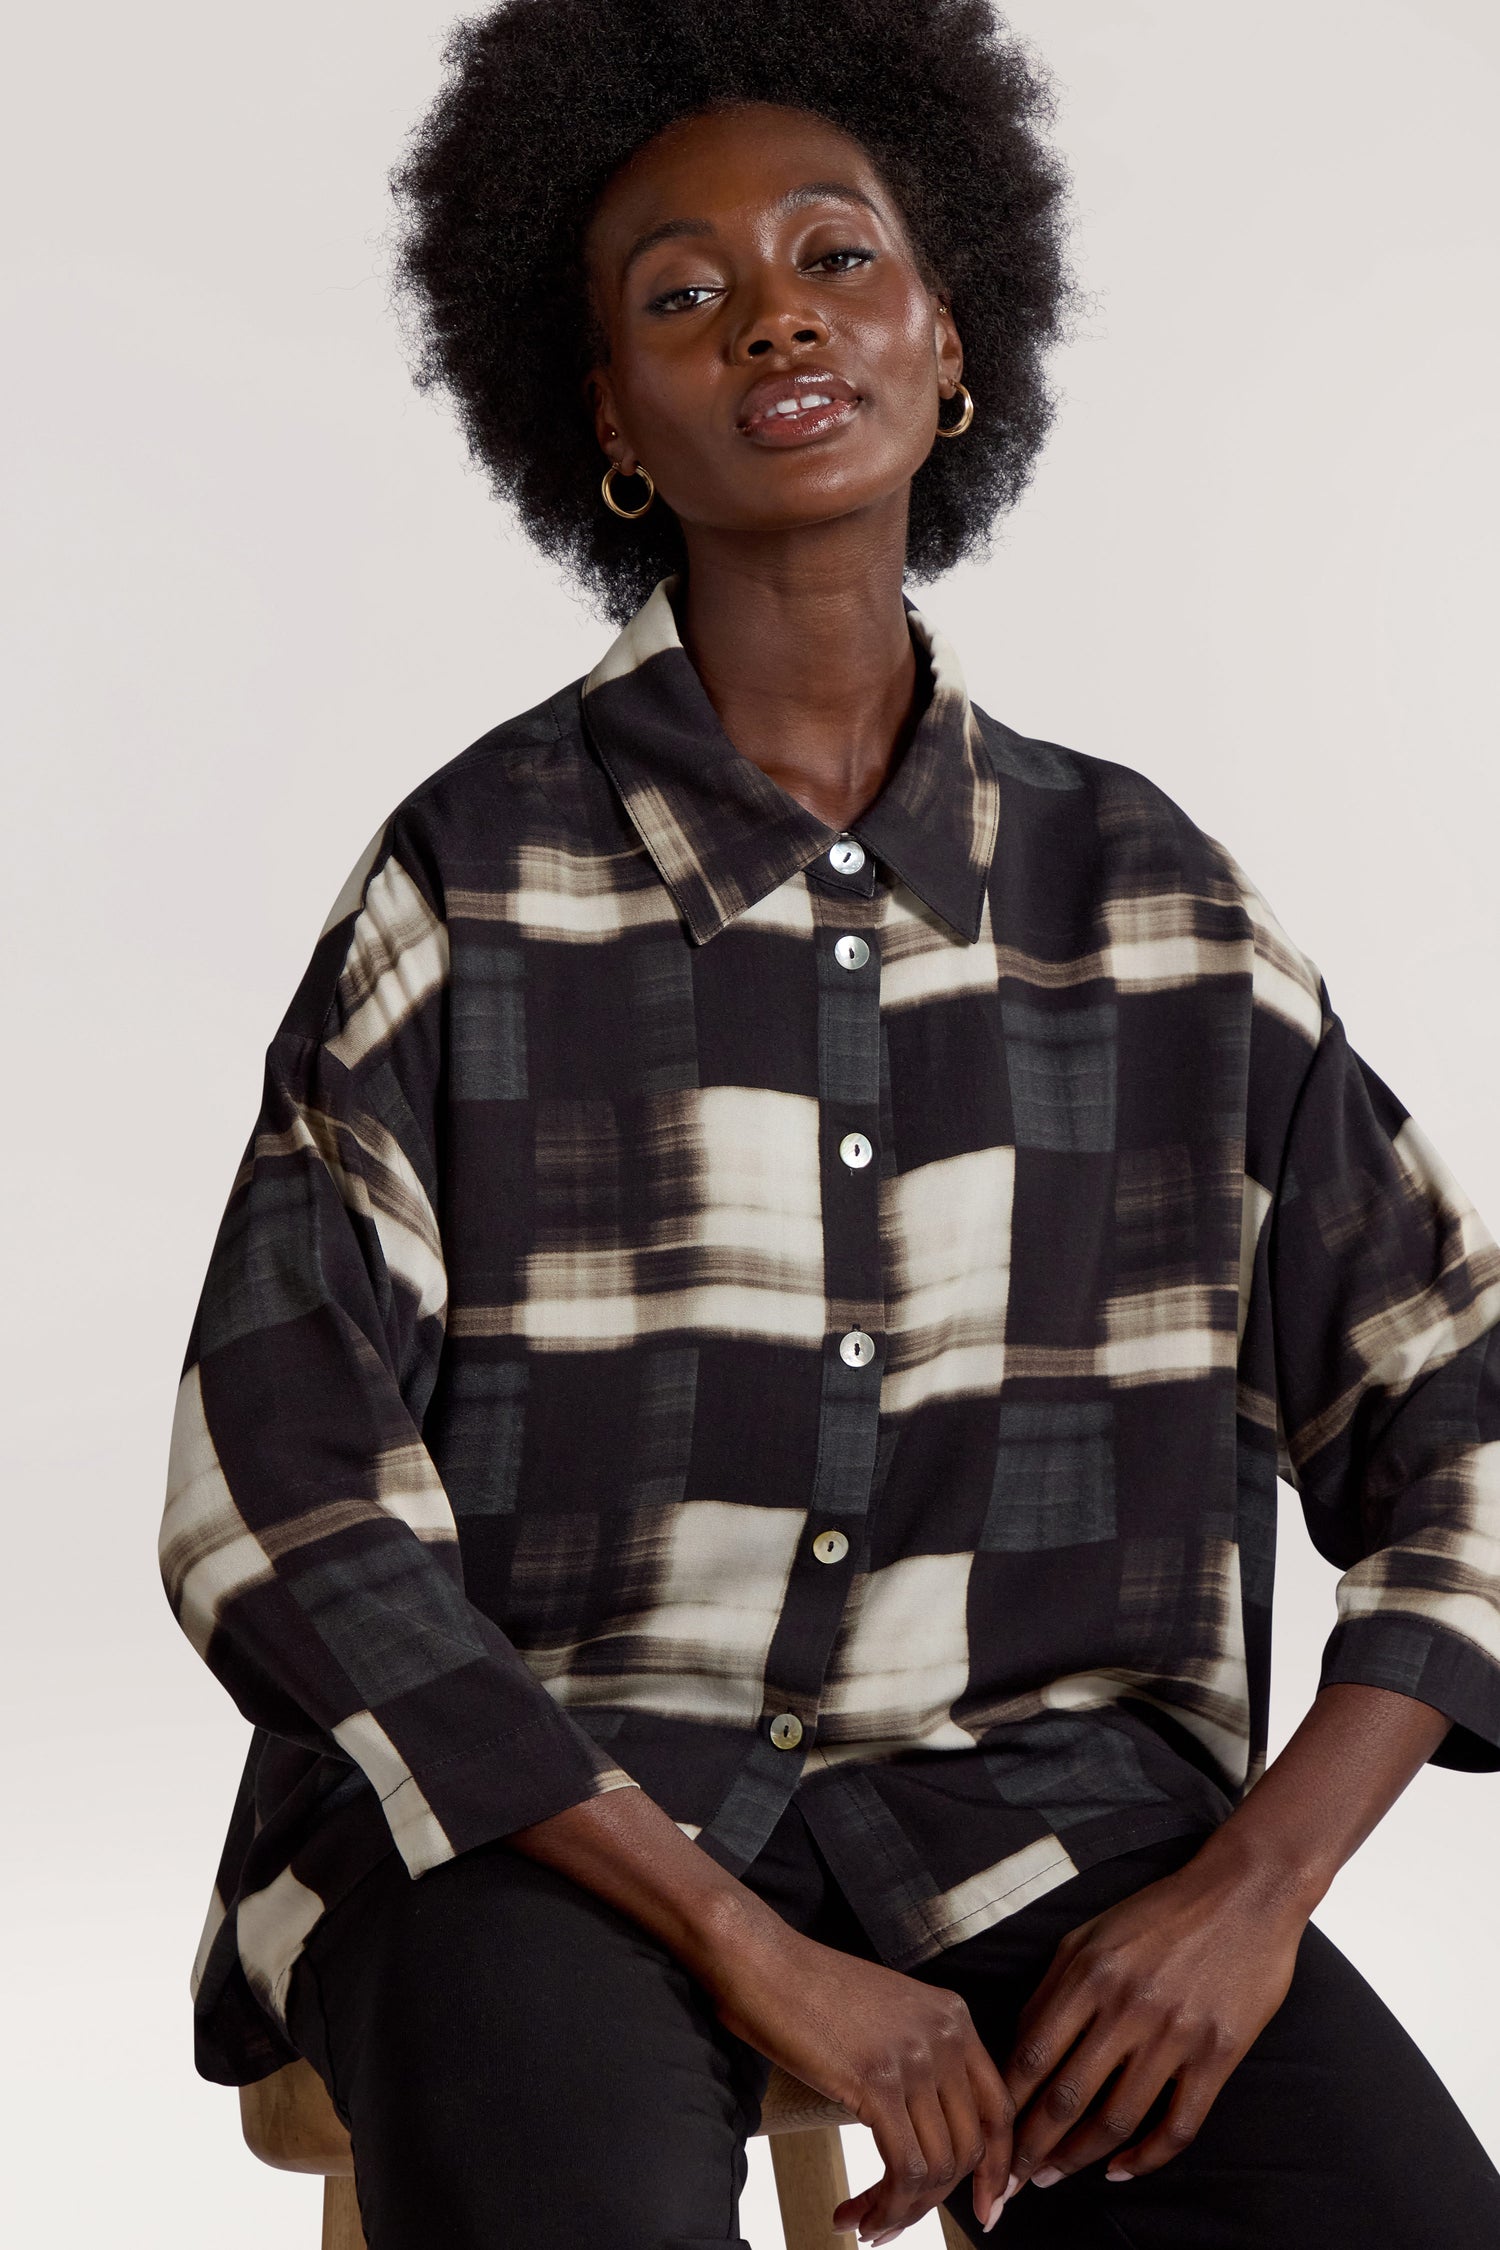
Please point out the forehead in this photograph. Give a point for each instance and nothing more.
(718, 162)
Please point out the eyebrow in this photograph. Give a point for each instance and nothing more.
(811, 191)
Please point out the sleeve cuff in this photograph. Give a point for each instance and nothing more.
(534, 1768)
(1418, 1657)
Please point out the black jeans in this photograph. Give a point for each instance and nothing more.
(520, 2063)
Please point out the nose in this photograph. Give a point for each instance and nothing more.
(772, 324)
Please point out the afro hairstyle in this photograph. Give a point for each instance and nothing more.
(542, 102)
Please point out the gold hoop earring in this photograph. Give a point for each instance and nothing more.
(611, 502)
(956, 429)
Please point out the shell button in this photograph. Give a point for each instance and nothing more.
(786, 1730)
(846, 857)
(850, 951)
(830, 1546)
(856, 1349)
(856, 1151)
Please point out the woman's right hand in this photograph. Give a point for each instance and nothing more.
(902, 2055)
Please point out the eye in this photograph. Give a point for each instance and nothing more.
(670, 296)
(693, 293)
(863, 256)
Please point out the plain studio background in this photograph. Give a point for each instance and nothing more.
(259, 594)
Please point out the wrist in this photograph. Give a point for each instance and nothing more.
(726, 1932)
(1276, 1868)
(1315, 1803)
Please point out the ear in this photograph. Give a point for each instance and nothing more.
(948, 348)
(599, 390)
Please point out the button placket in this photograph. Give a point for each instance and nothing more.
(849, 1101)
(847, 969)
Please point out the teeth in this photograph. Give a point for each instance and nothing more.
(800, 405)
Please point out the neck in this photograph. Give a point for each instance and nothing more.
(802, 645)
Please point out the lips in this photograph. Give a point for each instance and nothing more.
(812, 397)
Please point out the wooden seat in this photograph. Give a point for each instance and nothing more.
(289, 2121)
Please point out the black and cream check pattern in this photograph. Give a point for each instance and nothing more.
(705, 1308)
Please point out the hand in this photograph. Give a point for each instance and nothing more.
(903, 2056)
(1174, 1982)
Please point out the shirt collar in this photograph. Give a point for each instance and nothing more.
(723, 834)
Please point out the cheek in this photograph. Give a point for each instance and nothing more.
(897, 344)
(645, 377)
(905, 398)
(664, 404)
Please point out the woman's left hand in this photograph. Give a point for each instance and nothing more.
(1176, 1981)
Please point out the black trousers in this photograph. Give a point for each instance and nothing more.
(519, 2063)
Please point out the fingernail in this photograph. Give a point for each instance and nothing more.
(1118, 2172)
(1047, 2175)
(1000, 2202)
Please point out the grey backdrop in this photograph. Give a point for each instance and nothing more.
(256, 594)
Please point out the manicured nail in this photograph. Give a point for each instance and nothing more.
(1047, 2175)
(1000, 2201)
(1118, 2172)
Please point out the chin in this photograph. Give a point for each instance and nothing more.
(791, 503)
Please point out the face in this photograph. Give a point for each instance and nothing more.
(776, 355)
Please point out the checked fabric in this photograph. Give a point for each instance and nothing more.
(720, 1306)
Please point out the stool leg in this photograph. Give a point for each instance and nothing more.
(810, 2180)
(953, 2234)
(341, 2227)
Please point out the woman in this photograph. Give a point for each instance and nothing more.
(728, 1448)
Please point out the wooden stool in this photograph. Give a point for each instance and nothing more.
(289, 2121)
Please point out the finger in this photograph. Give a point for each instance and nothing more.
(1196, 2091)
(914, 2193)
(854, 2214)
(1069, 1944)
(1118, 2110)
(884, 2109)
(996, 2111)
(1062, 2099)
(1056, 2014)
(965, 2131)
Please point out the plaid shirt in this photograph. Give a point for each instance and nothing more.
(717, 1305)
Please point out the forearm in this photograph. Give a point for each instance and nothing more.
(1337, 1777)
(1316, 1802)
(624, 1847)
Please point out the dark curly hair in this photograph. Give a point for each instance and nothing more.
(545, 99)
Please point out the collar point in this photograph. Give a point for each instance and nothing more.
(702, 926)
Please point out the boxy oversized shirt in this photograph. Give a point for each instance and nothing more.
(718, 1305)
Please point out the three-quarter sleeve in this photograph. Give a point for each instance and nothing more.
(1385, 1290)
(308, 1547)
